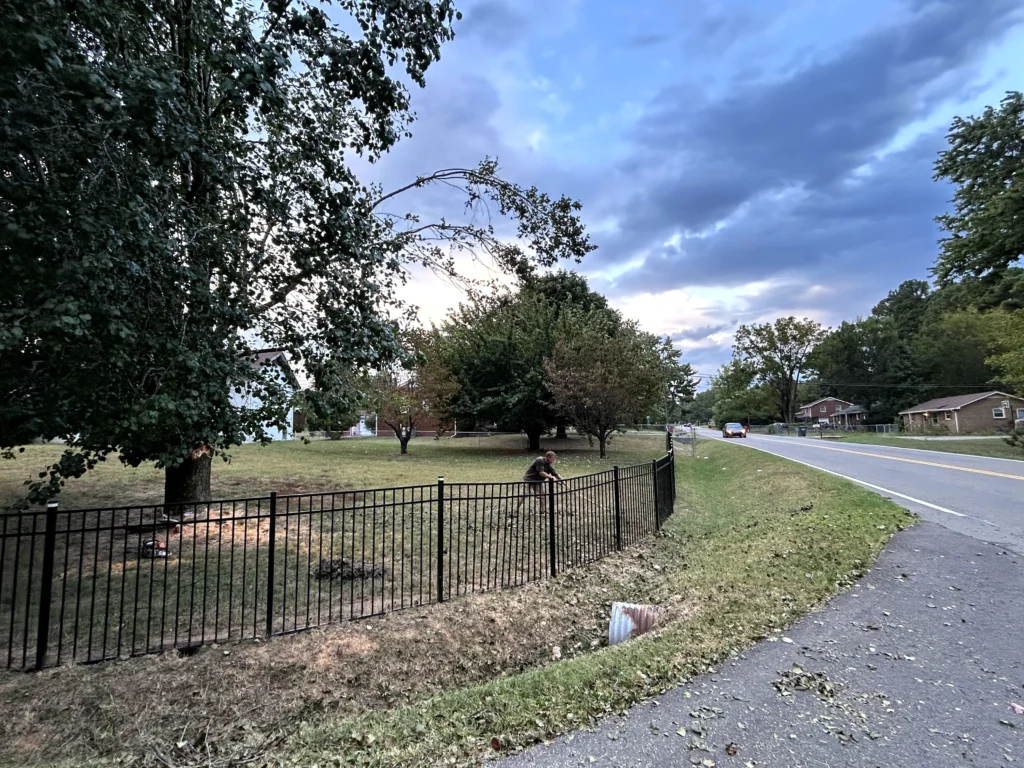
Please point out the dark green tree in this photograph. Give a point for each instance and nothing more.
(175, 192)
(776, 353)
(700, 409)
(738, 398)
(495, 346)
(605, 374)
(906, 306)
(985, 164)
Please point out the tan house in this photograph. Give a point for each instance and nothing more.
(965, 414)
(821, 410)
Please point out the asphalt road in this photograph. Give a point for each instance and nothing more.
(977, 496)
(917, 665)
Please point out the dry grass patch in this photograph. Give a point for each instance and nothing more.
(234, 702)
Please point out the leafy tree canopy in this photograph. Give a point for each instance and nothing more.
(176, 193)
(985, 164)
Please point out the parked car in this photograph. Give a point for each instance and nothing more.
(734, 430)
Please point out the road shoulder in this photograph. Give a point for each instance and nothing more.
(917, 664)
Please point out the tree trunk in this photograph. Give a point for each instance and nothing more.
(602, 440)
(404, 442)
(189, 481)
(533, 435)
(560, 431)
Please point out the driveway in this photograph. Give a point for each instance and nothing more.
(917, 665)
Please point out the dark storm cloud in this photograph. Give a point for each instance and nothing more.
(862, 231)
(699, 162)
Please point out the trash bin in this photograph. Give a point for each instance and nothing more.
(802, 431)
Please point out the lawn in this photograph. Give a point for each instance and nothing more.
(755, 542)
(380, 547)
(326, 465)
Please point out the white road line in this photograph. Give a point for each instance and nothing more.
(903, 448)
(872, 486)
(878, 488)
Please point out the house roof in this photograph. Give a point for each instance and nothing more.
(953, 403)
(822, 400)
(263, 357)
(851, 410)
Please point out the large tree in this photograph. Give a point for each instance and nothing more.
(680, 381)
(604, 374)
(175, 192)
(739, 398)
(777, 355)
(495, 345)
(985, 164)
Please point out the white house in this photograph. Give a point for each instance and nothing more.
(278, 360)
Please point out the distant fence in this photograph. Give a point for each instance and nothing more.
(90, 585)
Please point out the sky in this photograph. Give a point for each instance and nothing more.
(737, 160)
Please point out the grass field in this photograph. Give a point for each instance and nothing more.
(995, 447)
(327, 465)
(755, 542)
(110, 601)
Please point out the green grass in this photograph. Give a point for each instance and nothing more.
(110, 602)
(738, 545)
(322, 465)
(994, 448)
(738, 561)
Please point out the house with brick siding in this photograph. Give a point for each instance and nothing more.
(821, 410)
(849, 417)
(965, 414)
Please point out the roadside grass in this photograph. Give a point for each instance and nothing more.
(325, 465)
(993, 448)
(755, 542)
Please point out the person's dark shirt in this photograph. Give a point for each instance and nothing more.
(540, 464)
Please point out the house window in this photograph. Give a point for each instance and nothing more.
(824, 409)
(935, 418)
(949, 415)
(998, 413)
(1020, 413)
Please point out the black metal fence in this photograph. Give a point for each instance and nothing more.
(89, 585)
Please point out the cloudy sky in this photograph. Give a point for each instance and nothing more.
(737, 160)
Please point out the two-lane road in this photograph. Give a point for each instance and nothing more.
(978, 496)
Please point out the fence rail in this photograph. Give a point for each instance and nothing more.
(90, 585)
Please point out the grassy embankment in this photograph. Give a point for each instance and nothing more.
(739, 560)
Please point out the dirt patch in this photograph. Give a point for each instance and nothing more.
(229, 703)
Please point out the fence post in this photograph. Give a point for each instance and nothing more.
(440, 539)
(551, 527)
(272, 536)
(618, 509)
(657, 510)
(672, 474)
(668, 439)
(46, 587)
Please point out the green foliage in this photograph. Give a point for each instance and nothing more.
(776, 356)
(495, 346)
(1008, 357)
(985, 163)
(738, 398)
(1016, 438)
(604, 373)
(680, 382)
(869, 363)
(950, 354)
(176, 186)
(701, 408)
